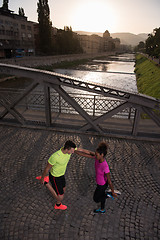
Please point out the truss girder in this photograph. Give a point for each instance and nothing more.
(152, 115)
(10, 106)
(76, 106)
(13, 112)
(136, 121)
(107, 115)
(141, 103)
(109, 91)
(47, 104)
(63, 80)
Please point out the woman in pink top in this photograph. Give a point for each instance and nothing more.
(103, 178)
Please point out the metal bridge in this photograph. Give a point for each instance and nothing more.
(137, 103)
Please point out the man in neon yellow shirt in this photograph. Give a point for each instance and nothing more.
(57, 165)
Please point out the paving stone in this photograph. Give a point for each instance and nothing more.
(26, 207)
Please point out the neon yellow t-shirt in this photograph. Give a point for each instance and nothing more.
(59, 162)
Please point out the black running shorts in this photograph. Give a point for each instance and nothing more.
(58, 183)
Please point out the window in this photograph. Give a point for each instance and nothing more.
(8, 32)
(29, 28)
(11, 31)
(2, 30)
(29, 35)
(23, 35)
(23, 26)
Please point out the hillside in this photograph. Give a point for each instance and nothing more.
(126, 38)
(130, 38)
(89, 33)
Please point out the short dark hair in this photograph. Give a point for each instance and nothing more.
(69, 144)
(102, 148)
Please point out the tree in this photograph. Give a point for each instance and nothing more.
(44, 26)
(67, 42)
(21, 12)
(150, 45)
(5, 4)
(153, 43)
(140, 47)
(157, 42)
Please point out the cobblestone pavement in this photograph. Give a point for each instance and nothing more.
(26, 207)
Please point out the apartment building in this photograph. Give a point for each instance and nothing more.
(16, 34)
(95, 44)
(90, 43)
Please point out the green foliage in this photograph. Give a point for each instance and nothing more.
(21, 12)
(44, 26)
(5, 4)
(66, 42)
(148, 76)
(153, 43)
(140, 47)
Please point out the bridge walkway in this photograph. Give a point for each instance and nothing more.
(117, 127)
(27, 208)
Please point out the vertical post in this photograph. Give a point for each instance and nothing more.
(94, 105)
(59, 100)
(129, 114)
(26, 102)
(47, 105)
(136, 122)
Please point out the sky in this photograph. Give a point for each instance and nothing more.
(134, 16)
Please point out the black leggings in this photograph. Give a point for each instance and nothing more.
(99, 194)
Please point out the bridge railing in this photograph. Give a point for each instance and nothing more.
(93, 104)
(97, 105)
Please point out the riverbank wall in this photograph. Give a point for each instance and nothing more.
(35, 61)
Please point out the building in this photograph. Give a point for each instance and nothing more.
(108, 43)
(90, 43)
(20, 37)
(16, 34)
(96, 44)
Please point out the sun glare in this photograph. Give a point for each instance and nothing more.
(94, 16)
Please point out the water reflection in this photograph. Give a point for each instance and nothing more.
(126, 67)
(118, 73)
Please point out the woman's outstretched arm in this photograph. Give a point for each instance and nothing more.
(85, 153)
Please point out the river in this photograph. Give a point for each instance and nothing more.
(117, 71)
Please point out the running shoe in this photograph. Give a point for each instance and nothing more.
(99, 211)
(116, 191)
(61, 207)
(46, 179)
(38, 178)
(108, 195)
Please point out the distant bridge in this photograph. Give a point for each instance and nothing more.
(12, 109)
